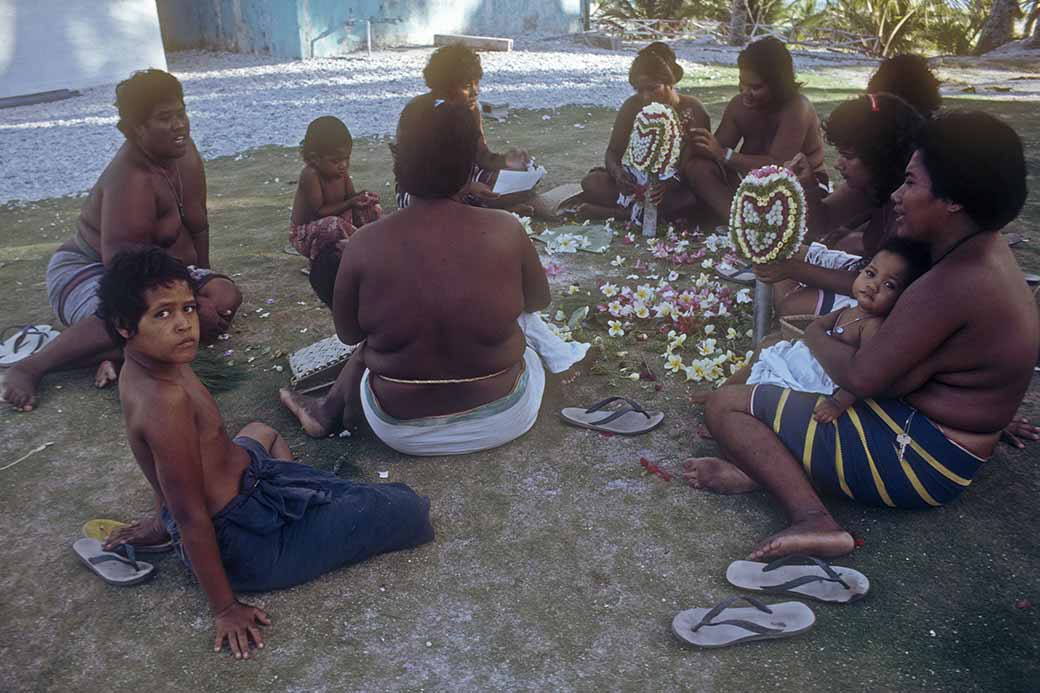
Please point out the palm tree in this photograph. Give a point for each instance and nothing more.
(737, 22)
(998, 28)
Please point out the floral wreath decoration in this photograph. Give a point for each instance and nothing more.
(656, 139)
(767, 217)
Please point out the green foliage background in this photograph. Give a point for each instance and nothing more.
(922, 26)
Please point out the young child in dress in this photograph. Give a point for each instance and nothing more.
(876, 290)
(327, 208)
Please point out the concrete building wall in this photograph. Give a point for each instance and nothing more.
(306, 28)
(47, 45)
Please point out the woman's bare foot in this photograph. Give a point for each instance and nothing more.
(717, 476)
(18, 387)
(817, 535)
(148, 531)
(105, 375)
(588, 210)
(316, 423)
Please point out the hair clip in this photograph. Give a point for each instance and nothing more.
(873, 103)
(437, 102)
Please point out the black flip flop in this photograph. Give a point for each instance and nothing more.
(628, 419)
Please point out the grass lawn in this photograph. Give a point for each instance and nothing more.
(558, 562)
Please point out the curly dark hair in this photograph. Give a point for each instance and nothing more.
(918, 255)
(883, 131)
(130, 274)
(908, 76)
(436, 147)
(769, 59)
(137, 96)
(452, 66)
(658, 62)
(324, 136)
(976, 160)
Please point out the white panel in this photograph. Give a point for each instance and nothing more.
(74, 44)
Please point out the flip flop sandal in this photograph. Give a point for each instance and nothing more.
(24, 342)
(630, 419)
(111, 567)
(728, 625)
(793, 576)
(740, 275)
(102, 529)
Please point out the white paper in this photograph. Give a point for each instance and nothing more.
(517, 181)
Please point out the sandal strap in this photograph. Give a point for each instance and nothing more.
(630, 406)
(727, 603)
(131, 555)
(801, 559)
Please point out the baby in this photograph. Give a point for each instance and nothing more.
(327, 209)
(876, 290)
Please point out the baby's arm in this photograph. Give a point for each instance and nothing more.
(830, 408)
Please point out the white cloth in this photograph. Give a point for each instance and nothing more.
(481, 428)
(822, 256)
(557, 354)
(791, 365)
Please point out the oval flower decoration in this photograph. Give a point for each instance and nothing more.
(655, 142)
(767, 217)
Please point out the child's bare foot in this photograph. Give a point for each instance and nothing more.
(717, 476)
(308, 410)
(828, 410)
(818, 535)
(105, 375)
(148, 531)
(18, 387)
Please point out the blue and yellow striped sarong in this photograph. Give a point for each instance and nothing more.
(857, 455)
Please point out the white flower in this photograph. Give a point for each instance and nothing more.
(744, 296)
(572, 289)
(617, 261)
(749, 334)
(674, 363)
(734, 367)
(609, 290)
(664, 310)
(644, 293)
(707, 347)
(525, 222)
(709, 329)
(566, 243)
(615, 308)
(560, 315)
(722, 310)
(731, 334)
(707, 263)
(702, 280)
(631, 276)
(640, 309)
(673, 276)
(696, 371)
(633, 376)
(615, 328)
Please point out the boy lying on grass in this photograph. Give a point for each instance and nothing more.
(877, 288)
(245, 517)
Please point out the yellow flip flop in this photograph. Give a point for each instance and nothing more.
(101, 529)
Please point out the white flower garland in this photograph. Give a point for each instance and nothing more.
(777, 233)
(656, 139)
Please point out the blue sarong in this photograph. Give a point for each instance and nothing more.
(291, 523)
(857, 454)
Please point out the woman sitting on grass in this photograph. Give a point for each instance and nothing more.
(453, 75)
(613, 189)
(936, 384)
(875, 136)
(769, 119)
(434, 291)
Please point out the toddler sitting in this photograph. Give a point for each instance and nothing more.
(327, 209)
(876, 290)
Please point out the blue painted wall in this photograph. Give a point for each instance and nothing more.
(305, 28)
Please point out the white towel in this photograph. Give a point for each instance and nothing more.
(791, 365)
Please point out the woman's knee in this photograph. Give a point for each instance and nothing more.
(598, 186)
(697, 169)
(724, 402)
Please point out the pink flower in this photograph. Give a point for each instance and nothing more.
(553, 269)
